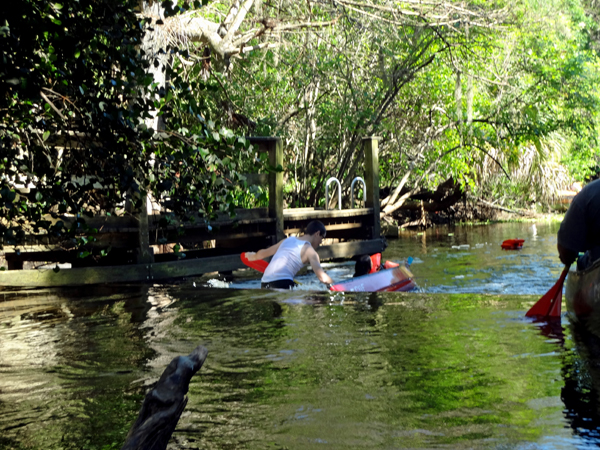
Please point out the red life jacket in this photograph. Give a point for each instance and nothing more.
(375, 262)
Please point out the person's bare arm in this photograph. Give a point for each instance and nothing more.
(264, 253)
(315, 262)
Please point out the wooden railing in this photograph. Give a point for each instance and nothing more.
(219, 243)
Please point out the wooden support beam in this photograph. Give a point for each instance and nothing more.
(74, 277)
(200, 236)
(144, 253)
(330, 228)
(276, 187)
(371, 147)
(320, 214)
(13, 263)
(274, 146)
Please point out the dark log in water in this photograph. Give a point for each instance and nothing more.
(164, 404)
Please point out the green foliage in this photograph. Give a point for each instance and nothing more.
(77, 98)
(528, 83)
(67, 73)
(501, 103)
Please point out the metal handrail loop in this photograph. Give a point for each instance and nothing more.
(339, 192)
(352, 191)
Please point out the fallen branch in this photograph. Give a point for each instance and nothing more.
(164, 404)
(500, 208)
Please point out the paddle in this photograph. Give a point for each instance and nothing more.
(259, 264)
(549, 305)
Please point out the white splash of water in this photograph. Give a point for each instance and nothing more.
(218, 284)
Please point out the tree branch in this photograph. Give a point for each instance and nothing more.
(52, 106)
(237, 22)
(493, 158)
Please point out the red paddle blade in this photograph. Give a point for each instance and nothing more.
(549, 304)
(259, 264)
(542, 306)
(556, 304)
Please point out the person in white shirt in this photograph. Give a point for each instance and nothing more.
(290, 255)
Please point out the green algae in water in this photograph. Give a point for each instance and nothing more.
(378, 371)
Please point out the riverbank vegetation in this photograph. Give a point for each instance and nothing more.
(494, 101)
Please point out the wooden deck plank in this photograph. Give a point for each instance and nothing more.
(74, 277)
(317, 214)
(125, 222)
(330, 228)
(195, 267)
(128, 240)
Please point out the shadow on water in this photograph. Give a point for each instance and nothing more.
(581, 373)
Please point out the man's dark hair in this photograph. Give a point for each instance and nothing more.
(363, 266)
(315, 226)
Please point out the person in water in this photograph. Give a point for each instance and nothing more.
(363, 266)
(580, 229)
(290, 255)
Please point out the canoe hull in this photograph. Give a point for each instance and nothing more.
(389, 280)
(582, 291)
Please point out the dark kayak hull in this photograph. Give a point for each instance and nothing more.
(582, 291)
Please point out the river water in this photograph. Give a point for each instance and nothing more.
(454, 365)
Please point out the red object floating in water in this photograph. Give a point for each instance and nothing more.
(390, 264)
(513, 244)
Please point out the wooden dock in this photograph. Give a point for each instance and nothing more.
(131, 239)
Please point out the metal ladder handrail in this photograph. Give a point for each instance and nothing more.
(352, 191)
(339, 192)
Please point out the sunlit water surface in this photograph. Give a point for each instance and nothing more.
(454, 365)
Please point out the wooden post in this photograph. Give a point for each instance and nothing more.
(275, 148)
(144, 255)
(13, 263)
(371, 148)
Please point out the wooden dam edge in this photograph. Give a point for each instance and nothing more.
(155, 272)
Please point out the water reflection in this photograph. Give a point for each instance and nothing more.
(581, 391)
(67, 360)
(306, 369)
(419, 371)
